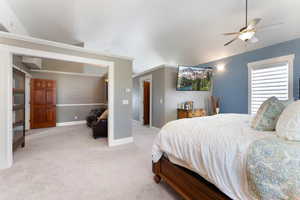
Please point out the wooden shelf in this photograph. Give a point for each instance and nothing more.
(18, 107)
(18, 91)
(19, 123)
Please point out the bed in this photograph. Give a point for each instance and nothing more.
(205, 158)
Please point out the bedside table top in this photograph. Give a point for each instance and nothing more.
(194, 109)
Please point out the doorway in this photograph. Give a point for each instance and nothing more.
(146, 114)
(145, 104)
(43, 103)
(6, 91)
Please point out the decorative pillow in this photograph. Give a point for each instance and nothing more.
(286, 102)
(288, 125)
(104, 115)
(267, 115)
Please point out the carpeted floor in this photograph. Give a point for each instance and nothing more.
(66, 163)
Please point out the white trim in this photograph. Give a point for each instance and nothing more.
(122, 141)
(82, 104)
(27, 102)
(148, 71)
(59, 45)
(6, 84)
(57, 56)
(70, 123)
(141, 98)
(270, 61)
(21, 70)
(67, 73)
(136, 122)
(155, 128)
(153, 69)
(111, 96)
(267, 62)
(6, 54)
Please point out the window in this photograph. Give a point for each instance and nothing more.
(267, 78)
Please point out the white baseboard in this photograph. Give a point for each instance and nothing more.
(70, 123)
(136, 122)
(122, 141)
(155, 128)
(5, 164)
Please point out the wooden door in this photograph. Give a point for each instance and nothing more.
(42, 103)
(146, 102)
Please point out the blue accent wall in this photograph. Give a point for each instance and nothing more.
(232, 84)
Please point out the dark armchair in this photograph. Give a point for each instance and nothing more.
(93, 116)
(99, 126)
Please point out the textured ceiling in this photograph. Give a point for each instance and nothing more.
(157, 32)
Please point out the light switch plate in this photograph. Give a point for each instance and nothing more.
(125, 101)
(128, 90)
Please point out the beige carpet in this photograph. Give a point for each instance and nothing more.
(66, 163)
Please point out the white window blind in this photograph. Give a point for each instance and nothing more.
(268, 81)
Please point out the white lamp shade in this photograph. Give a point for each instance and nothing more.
(246, 36)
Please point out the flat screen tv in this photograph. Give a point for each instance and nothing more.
(194, 78)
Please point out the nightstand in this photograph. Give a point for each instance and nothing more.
(182, 113)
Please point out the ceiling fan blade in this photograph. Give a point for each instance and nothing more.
(269, 26)
(231, 41)
(253, 39)
(234, 33)
(253, 23)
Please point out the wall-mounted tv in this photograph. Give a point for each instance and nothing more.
(194, 78)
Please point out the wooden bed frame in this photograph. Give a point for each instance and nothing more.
(188, 184)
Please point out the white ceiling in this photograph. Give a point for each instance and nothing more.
(157, 32)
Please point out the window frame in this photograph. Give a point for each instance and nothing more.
(270, 63)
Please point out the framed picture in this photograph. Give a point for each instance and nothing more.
(191, 78)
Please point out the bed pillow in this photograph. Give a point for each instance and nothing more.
(288, 125)
(267, 115)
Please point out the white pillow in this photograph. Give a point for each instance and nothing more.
(288, 125)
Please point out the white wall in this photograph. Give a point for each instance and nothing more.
(9, 20)
(5, 109)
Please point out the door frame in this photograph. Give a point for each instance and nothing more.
(27, 102)
(141, 99)
(6, 66)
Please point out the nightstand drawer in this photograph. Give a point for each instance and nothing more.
(181, 113)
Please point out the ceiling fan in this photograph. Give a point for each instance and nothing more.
(247, 33)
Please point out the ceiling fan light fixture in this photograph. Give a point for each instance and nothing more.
(247, 35)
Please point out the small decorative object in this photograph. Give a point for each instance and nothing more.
(218, 105)
(189, 105)
(215, 105)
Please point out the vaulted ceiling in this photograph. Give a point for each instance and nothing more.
(158, 32)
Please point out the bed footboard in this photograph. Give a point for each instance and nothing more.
(189, 185)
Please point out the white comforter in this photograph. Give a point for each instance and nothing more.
(215, 147)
